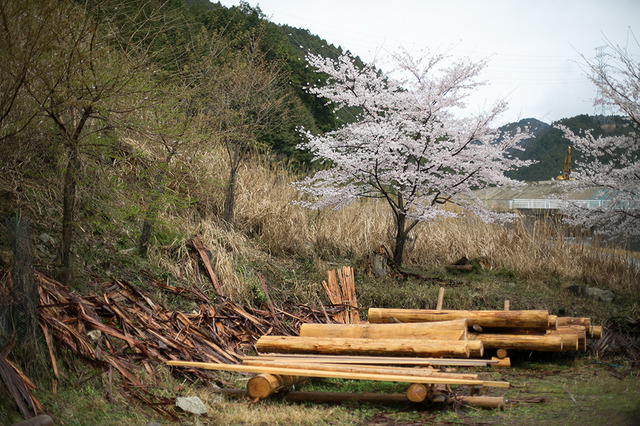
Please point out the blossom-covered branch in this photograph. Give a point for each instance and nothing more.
(410, 144)
(611, 162)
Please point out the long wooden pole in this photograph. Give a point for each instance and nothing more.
(347, 346)
(441, 330)
(335, 374)
(376, 360)
(337, 397)
(349, 368)
(497, 319)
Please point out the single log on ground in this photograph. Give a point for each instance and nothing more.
(501, 362)
(489, 319)
(337, 397)
(522, 342)
(480, 401)
(441, 330)
(263, 385)
(346, 346)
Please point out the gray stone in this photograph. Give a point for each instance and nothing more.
(41, 420)
(191, 404)
(47, 239)
(598, 293)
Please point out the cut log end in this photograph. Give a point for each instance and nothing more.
(417, 392)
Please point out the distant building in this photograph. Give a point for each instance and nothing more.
(545, 197)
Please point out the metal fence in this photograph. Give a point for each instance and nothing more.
(551, 204)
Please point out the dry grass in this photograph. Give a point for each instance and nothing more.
(267, 225)
(266, 222)
(540, 248)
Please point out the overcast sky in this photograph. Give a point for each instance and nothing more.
(534, 46)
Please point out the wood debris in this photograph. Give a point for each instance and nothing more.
(19, 386)
(341, 289)
(124, 329)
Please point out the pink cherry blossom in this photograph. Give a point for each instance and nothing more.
(412, 144)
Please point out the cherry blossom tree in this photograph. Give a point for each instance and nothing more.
(412, 145)
(611, 162)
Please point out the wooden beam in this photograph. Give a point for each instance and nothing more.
(440, 301)
(350, 368)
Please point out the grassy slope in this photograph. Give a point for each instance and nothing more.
(577, 388)
(293, 248)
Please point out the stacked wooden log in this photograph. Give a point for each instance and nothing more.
(406, 353)
(405, 345)
(526, 330)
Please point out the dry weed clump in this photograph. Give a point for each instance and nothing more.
(540, 248)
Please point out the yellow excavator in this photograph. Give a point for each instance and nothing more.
(567, 167)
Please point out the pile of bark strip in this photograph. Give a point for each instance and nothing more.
(122, 328)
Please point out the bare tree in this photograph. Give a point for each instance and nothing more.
(242, 96)
(26, 30)
(93, 74)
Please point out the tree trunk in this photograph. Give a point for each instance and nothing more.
(145, 235)
(149, 220)
(401, 237)
(229, 199)
(68, 210)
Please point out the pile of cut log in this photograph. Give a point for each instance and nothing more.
(502, 331)
(403, 345)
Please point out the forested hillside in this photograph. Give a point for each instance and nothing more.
(548, 145)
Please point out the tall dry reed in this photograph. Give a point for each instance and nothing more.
(267, 222)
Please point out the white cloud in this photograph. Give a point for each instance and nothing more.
(535, 47)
